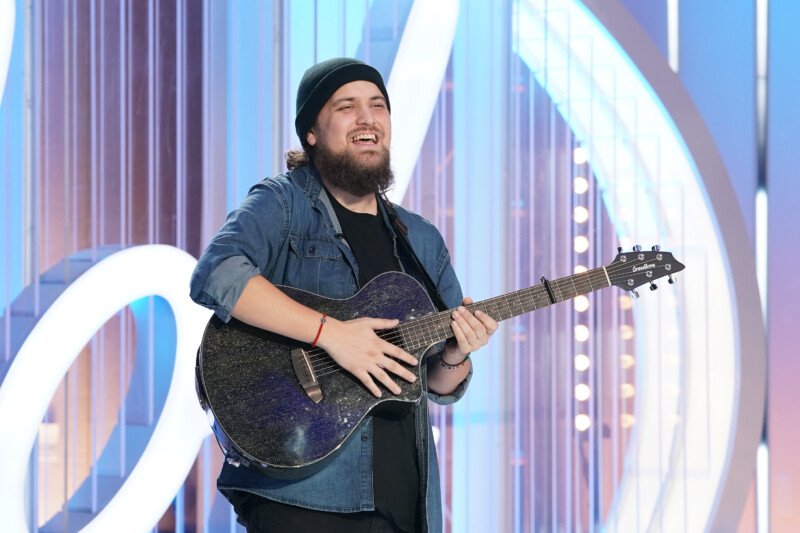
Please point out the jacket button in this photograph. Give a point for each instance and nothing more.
(364, 436)
(312, 249)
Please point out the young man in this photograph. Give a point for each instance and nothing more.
(324, 227)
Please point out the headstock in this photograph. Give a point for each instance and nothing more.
(630, 270)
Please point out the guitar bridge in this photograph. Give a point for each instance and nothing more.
(305, 374)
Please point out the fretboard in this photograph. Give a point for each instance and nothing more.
(422, 332)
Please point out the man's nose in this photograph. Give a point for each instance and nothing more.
(365, 115)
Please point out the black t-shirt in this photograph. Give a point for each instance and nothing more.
(395, 472)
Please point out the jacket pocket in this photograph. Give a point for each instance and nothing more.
(317, 265)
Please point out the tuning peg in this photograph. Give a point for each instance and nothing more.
(671, 279)
(634, 294)
(637, 248)
(653, 286)
(656, 248)
(619, 249)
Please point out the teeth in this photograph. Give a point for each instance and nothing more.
(364, 137)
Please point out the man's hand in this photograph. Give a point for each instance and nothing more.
(356, 347)
(472, 331)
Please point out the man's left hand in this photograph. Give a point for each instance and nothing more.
(472, 331)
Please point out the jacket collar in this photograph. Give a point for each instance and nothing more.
(308, 179)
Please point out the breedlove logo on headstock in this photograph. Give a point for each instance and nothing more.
(633, 269)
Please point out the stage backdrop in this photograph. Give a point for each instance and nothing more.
(538, 136)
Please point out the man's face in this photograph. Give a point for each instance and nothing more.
(354, 122)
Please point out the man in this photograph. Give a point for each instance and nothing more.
(325, 227)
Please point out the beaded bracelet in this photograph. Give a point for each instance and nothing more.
(447, 365)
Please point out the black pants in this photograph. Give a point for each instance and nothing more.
(266, 516)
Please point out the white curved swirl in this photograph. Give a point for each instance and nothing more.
(54, 344)
(414, 83)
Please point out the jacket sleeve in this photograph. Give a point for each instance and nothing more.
(450, 291)
(246, 246)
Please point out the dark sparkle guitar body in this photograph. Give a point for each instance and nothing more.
(262, 416)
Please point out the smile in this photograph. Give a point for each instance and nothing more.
(364, 138)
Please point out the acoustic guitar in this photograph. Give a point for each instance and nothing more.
(283, 408)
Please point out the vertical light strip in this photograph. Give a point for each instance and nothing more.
(762, 488)
(151, 146)
(762, 40)
(122, 128)
(673, 34)
(233, 108)
(33, 153)
(206, 213)
(94, 112)
(126, 184)
(180, 124)
(278, 92)
(761, 247)
(762, 36)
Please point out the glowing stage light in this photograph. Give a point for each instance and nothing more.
(582, 392)
(626, 361)
(581, 244)
(579, 155)
(581, 303)
(582, 362)
(626, 390)
(581, 333)
(580, 185)
(627, 420)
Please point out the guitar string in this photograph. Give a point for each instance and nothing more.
(525, 297)
(330, 366)
(422, 327)
(423, 331)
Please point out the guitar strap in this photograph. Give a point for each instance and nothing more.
(422, 276)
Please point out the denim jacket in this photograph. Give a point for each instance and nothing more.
(286, 230)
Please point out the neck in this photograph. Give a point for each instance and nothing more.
(358, 204)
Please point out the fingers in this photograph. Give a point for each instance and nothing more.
(361, 348)
(489, 323)
(381, 323)
(366, 379)
(471, 330)
(379, 372)
(399, 370)
(474, 330)
(395, 351)
(461, 338)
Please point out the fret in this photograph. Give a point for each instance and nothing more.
(424, 331)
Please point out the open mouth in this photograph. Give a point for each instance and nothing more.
(367, 139)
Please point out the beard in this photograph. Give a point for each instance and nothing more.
(346, 172)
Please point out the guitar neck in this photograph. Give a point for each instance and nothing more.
(422, 332)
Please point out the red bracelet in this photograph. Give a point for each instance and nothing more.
(319, 331)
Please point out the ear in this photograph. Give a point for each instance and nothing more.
(311, 138)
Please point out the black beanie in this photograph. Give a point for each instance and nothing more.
(322, 80)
